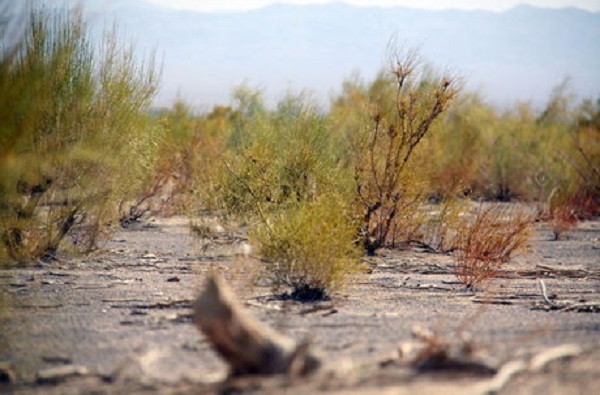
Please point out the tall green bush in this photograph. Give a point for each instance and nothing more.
(278, 159)
(282, 176)
(75, 137)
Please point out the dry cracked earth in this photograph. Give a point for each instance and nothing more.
(120, 321)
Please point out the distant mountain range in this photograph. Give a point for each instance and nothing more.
(520, 54)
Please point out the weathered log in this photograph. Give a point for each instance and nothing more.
(248, 346)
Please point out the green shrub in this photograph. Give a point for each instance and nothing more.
(277, 160)
(278, 177)
(311, 247)
(190, 147)
(584, 158)
(75, 138)
(514, 154)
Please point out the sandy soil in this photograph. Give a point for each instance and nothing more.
(120, 321)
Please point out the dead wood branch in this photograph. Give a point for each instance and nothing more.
(248, 347)
(535, 364)
(431, 351)
(327, 309)
(566, 305)
(544, 293)
(547, 270)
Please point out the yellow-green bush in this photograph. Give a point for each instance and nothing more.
(279, 176)
(189, 147)
(585, 150)
(278, 159)
(514, 154)
(76, 140)
(310, 247)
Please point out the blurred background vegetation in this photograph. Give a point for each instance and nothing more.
(77, 138)
(82, 152)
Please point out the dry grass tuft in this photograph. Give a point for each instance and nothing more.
(488, 240)
(563, 214)
(561, 220)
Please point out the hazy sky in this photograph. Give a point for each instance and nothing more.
(494, 5)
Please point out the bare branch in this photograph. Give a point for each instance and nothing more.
(248, 346)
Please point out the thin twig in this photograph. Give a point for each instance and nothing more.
(544, 294)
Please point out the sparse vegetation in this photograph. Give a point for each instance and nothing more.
(188, 148)
(560, 214)
(313, 194)
(76, 137)
(487, 241)
(283, 163)
(519, 154)
(277, 159)
(392, 162)
(404, 163)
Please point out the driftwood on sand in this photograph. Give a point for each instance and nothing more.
(252, 348)
(248, 346)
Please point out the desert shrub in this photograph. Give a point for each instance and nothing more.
(311, 247)
(278, 159)
(518, 153)
(487, 240)
(189, 147)
(576, 193)
(586, 139)
(487, 154)
(280, 176)
(75, 136)
(452, 156)
(513, 147)
(401, 111)
(171, 168)
(565, 210)
(561, 218)
(584, 158)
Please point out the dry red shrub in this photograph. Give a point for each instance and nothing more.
(487, 240)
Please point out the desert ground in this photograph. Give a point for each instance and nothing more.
(120, 321)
